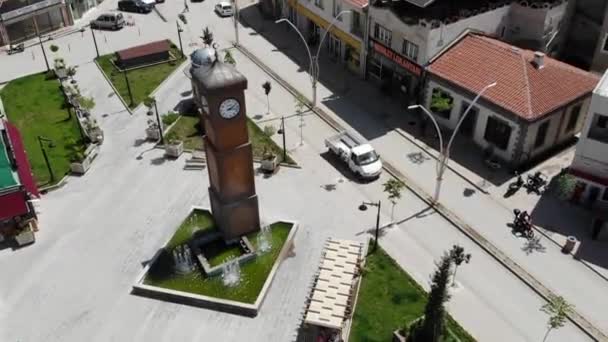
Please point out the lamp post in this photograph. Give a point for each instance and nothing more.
(283, 133)
(124, 71)
(179, 36)
(235, 16)
(160, 127)
(42, 140)
(48, 68)
(444, 152)
(363, 207)
(314, 60)
(95, 42)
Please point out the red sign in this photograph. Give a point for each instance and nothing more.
(397, 58)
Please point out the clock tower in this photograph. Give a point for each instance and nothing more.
(219, 92)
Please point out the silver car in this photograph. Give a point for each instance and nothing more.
(110, 21)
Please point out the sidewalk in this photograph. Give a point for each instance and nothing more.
(560, 273)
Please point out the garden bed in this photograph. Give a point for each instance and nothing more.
(388, 299)
(143, 81)
(188, 129)
(37, 107)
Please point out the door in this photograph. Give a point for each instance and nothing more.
(594, 193)
(467, 128)
(578, 192)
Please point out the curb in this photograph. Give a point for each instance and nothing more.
(53, 187)
(576, 318)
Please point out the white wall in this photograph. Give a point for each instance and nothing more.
(480, 124)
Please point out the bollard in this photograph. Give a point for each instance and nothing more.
(569, 245)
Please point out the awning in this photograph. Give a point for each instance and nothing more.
(13, 204)
(24, 169)
(343, 36)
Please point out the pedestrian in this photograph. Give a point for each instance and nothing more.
(186, 9)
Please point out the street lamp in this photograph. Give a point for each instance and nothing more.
(179, 36)
(42, 140)
(95, 41)
(314, 60)
(282, 132)
(235, 16)
(48, 68)
(363, 207)
(124, 71)
(444, 152)
(160, 127)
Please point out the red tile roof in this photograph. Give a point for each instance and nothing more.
(144, 50)
(477, 60)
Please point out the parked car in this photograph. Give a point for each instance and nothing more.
(224, 9)
(360, 157)
(134, 6)
(112, 21)
(153, 2)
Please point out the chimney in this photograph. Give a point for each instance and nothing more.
(539, 60)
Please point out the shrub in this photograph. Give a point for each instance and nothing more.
(172, 138)
(170, 118)
(54, 48)
(50, 75)
(269, 130)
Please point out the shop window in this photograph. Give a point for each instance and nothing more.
(498, 133)
(319, 3)
(410, 50)
(441, 103)
(383, 35)
(573, 119)
(599, 128)
(541, 134)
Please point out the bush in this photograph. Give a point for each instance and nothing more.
(50, 75)
(172, 138)
(269, 130)
(54, 48)
(170, 118)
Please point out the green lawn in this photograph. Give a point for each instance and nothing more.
(143, 81)
(197, 221)
(36, 106)
(388, 299)
(188, 130)
(253, 273)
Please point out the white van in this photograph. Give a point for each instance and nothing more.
(224, 9)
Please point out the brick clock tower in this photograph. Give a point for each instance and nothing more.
(219, 92)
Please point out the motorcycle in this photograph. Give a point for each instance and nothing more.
(536, 183)
(16, 48)
(514, 186)
(522, 224)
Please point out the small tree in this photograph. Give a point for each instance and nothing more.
(267, 87)
(565, 184)
(228, 58)
(433, 324)
(558, 310)
(207, 37)
(458, 257)
(54, 48)
(300, 109)
(393, 189)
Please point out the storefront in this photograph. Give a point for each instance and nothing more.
(28, 21)
(80, 7)
(341, 46)
(394, 72)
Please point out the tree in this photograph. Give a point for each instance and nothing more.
(228, 58)
(149, 102)
(207, 37)
(558, 310)
(300, 109)
(267, 87)
(564, 185)
(433, 324)
(393, 188)
(54, 48)
(458, 257)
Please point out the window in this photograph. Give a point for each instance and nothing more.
(410, 50)
(599, 128)
(382, 34)
(573, 119)
(337, 9)
(441, 103)
(498, 133)
(541, 134)
(355, 27)
(319, 3)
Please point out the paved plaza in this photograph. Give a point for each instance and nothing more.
(98, 230)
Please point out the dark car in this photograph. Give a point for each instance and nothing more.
(134, 6)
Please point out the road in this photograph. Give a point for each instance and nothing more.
(98, 229)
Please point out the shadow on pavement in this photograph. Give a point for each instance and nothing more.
(573, 220)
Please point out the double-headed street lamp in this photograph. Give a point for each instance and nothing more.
(179, 36)
(444, 152)
(363, 207)
(41, 141)
(48, 68)
(314, 60)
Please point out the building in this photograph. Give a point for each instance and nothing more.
(538, 104)
(590, 164)
(17, 185)
(587, 34)
(145, 54)
(406, 34)
(24, 19)
(346, 40)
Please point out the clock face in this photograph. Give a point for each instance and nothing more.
(229, 108)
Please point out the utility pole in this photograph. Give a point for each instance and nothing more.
(95, 42)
